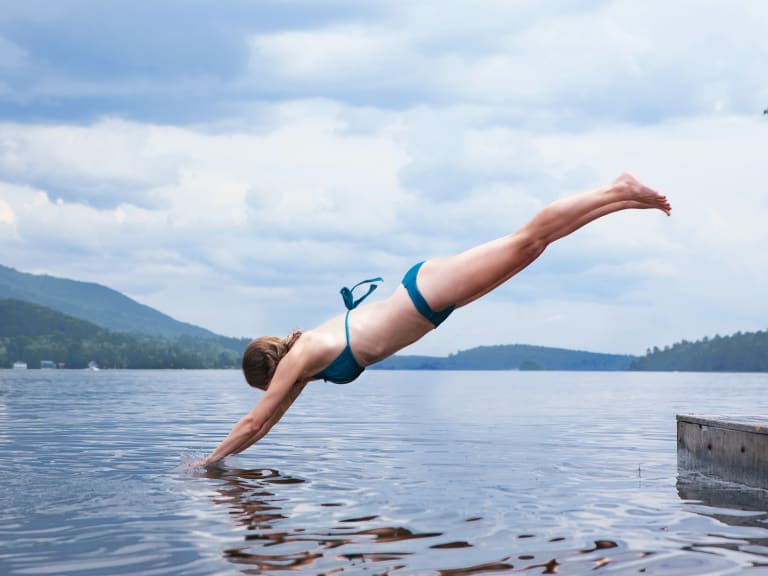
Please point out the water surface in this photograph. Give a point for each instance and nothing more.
(401, 472)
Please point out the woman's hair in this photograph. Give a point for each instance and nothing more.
(262, 356)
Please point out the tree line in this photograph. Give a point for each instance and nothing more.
(30, 333)
(740, 352)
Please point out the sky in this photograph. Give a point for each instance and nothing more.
(233, 164)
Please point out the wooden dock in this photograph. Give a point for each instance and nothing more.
(732, 448)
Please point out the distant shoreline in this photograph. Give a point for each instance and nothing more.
(58, 322)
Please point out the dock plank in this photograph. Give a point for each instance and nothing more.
(733, 448)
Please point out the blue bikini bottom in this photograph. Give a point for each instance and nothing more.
(436, 317)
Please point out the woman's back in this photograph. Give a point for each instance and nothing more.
(376, 330)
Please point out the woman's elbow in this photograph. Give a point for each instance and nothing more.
(256, 426)
(253, 426)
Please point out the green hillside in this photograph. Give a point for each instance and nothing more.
(32, 333)
(741, 352)
(19, 319)
(92, 302)
(511, 357)
(47, 318)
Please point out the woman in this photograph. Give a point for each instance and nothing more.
(340, 349)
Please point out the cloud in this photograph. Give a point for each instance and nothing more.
(239, 164)
(172, 61)
(329, 57)
(8, 233)
(82, 164)
(616, 61)
(284, 216)
(7, 215)
(564, 65)
(249, 207)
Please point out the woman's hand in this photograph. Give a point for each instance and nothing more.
(255, 425)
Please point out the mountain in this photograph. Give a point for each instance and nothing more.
(95, 303)
(35, 334)
(21, 319)
(511, 357)
(50, 317)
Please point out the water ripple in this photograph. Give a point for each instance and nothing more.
(450, 473)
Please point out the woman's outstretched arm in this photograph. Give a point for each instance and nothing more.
(282, 392)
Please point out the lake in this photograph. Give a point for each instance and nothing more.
(450, 473)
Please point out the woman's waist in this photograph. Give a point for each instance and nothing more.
(383, 328)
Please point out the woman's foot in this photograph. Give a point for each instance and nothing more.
(641, 195)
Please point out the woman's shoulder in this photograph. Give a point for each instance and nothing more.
(316, 348)
(320, 340)
(327, 331)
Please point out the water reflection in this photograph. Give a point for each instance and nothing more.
(422, 478)
(285, 533)
(743, 508)
(254, 503)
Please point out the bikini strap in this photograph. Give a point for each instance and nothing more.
(350, 302)
(346, 325)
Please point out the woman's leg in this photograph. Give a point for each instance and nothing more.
(467, 276)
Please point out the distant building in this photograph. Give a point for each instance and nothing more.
(19, 365)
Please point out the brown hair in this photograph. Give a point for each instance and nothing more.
(261, 357)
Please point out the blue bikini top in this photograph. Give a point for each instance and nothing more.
(344, 368)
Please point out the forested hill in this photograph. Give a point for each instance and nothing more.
(511, 357)
(32, 333)
(93, 302)
(20, 319)
(741, 352)
(71, 322)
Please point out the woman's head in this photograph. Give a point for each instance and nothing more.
(261, 357)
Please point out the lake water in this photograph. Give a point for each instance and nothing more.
(450, 473)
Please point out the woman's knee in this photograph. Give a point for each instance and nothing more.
(529, 244)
